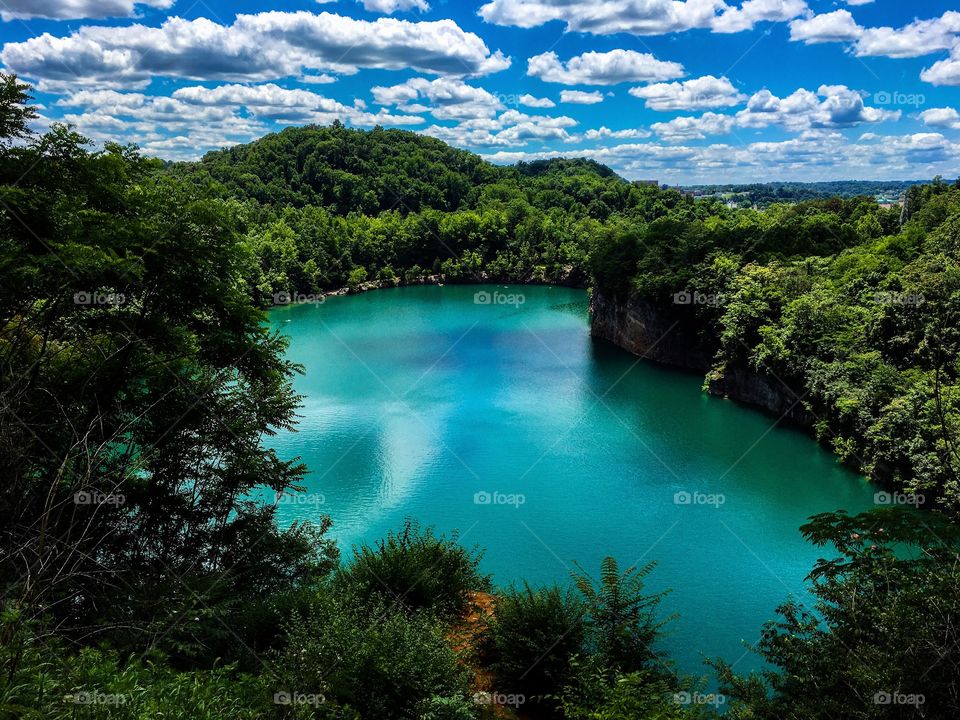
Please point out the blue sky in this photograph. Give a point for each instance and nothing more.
(681, 91)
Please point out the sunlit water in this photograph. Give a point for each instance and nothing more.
(421, 403)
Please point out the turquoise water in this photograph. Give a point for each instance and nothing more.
(418, 401)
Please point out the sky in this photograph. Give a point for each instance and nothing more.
(679, 91)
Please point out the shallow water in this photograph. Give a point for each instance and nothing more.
(508, 423)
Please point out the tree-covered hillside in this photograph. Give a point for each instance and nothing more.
(327, 207)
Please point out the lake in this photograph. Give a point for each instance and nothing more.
(498, 416)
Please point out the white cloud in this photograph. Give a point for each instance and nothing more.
(388, 7)
(322, 79)
(75, 9)
(449, 98)
(832, 106)
(640, 17)
(755, 11)
(694, 128)
(535, 102)
(696, 94)
(858, 2)
(836, 26)
(511, 127)
(605, 132)
(944, 72)
(602, 68)
(288, 106)
(579, 97)
(196, 119)
(265, 46)
(920, 37)
(944, 117)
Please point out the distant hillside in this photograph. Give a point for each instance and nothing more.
(767, 193)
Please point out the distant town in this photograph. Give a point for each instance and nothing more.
(888, 193)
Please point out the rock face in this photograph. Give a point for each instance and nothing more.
(764, 391)
(661, 334)
(648, 331)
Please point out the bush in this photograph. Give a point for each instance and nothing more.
(534, 636)
(373, 659)
(417, 570)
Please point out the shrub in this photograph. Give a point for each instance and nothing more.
(533, 639)
(372, 658)
(417, 570)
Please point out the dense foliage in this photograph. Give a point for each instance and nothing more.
(141, 577)
(837, 305)
(330, 207)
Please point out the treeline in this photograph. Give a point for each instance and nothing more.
(141, 579)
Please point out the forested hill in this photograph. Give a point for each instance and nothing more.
(350, 170)
(345, 170)
(330, 206)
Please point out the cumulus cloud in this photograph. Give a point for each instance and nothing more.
(264, 46)
(640, 17)
(694, 128)
(75, 9)
(831, 106)
(388, 7)
(448, 98)
(944, 72)
(579, 97)
(284, 105)
(920, 37)
(602, 68)
(196, 119)
(511, 127)
(535, 102)
(696, 94)
(945, 117)
(836, 26)
(602, 133)
(755, 11)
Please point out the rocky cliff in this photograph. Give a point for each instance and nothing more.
(669, 335)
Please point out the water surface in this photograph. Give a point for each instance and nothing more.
(422, 403)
